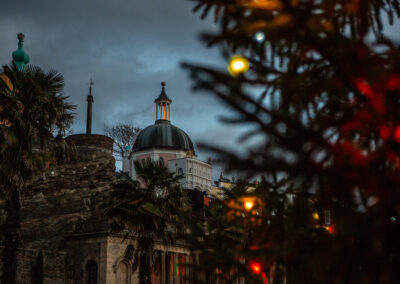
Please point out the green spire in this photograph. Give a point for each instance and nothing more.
(19, 56)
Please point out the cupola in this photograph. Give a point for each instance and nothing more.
(163, 109)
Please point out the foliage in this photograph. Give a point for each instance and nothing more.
(123, 135)
(33, 117)
(322, 92)
(148, 208)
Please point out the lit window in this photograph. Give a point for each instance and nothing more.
(327, 215)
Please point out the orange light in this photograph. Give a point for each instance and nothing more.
(315, 216)
(238, 64)
(255, 267)
(248, 205)
(329, 229)
(262, 4)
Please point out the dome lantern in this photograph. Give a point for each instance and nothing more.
(19, 56)
(163, 108)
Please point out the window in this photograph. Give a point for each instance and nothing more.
(91, 272)
(327, 217)
(190, 170)
(180, 171)
(161, 159)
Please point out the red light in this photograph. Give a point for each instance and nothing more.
(396, 134)
(393, 82)
(255, 267)
(384, 132)
(329, 229)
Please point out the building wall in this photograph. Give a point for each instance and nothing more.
(196, 174)
(153, 154)
(60, 218)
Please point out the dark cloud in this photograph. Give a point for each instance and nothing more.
(127, 48)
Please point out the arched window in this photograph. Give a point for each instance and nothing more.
(129, 252)
(91, 272)
(122, 273)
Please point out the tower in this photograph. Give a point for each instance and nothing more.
(89, 100)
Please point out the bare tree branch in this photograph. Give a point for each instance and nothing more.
(124, 135)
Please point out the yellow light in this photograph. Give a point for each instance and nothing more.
(330, 229)
(315, 216)
(248, 205)
(238, 64)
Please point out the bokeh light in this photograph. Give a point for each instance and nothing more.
(237, 65)
(259, 37)
(396, 134)
(255, 267)
(329, 229)
(248, 205)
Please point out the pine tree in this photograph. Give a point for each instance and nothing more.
(319, 83)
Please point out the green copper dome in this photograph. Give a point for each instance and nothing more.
(163, 135)
(19, 56)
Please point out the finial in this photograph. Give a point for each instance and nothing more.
(21, 36)
(90, 86)
(163, 84)
(90, 97)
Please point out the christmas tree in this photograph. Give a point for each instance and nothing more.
(318, 82)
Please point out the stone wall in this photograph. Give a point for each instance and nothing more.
(62, 201)
(52, 269)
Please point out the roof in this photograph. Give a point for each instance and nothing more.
(163, 135)
(163, 96)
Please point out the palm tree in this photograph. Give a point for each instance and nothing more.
(33, 117)
(146, 208)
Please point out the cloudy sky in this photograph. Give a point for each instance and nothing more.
(127, 48)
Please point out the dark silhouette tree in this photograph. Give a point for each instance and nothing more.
(319, 83)
(33, 116)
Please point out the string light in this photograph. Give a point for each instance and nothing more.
(237, 65)
(259, 37)
(396, 134)
(248, 205)
(329, 229)
(255, 267)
